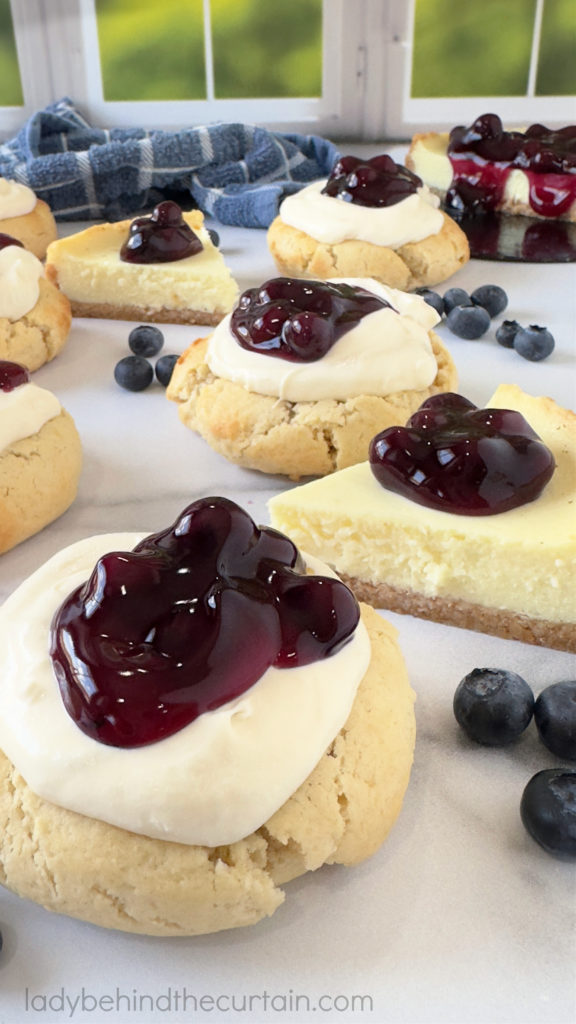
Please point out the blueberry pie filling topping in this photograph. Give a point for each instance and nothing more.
(299, 320)
(163, 237)
(375, 182)
(455, 457)
(189, 620)
(484, 154)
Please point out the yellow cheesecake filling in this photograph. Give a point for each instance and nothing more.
(523, 560)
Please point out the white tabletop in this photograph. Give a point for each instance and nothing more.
(460, 917)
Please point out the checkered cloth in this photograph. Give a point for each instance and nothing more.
(238, 173)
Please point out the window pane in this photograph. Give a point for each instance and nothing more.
(10, 87)
(150, 51)
(472, 48)
(557, 58)
(264, 49)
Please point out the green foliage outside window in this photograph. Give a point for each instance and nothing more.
(149, 51)
(10, 87)
(152, 51)
(557, 63)
(482, 48)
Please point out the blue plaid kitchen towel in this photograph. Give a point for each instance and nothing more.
(238, 173)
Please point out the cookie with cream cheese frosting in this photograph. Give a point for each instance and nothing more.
(312, 426)
(332, 798)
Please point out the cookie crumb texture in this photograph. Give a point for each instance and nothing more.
(41, 334)
(295, 439)
(340, 815)
(35, 229)
(413, 265)
(38, 479)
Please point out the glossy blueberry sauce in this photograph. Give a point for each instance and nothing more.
(483, 155)
(457, 458)
(6, 240)
(163, 237)
(12, 375)
(299, 320)
(375, 182)
(189, 620)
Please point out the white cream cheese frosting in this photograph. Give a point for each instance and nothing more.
(212, 783)
(20, 273)
(24, 411)
(332, 220)
(15, 199)
(387, 351)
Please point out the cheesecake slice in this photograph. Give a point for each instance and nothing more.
(511, 574)
(88, 268)
(486, 168)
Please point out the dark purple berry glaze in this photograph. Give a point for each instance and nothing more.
(299, 320)
(483, 155)
(457, 458)
(12, 375)
(6, 240)
(163, 237)
(375, 182)
(189, 620)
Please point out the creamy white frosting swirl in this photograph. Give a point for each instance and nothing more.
(15, 199)
(332, 220)
(215, 781)
(24, 411)
(20, 273)
(387, 351)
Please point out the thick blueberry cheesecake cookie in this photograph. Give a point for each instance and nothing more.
(303, 373)
(149, 788)
(370, 218)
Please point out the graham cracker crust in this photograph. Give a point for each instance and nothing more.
(104, 311)
(510, 626)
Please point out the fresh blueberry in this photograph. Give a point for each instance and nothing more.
(548, 811)
(493, 706)
(468, 322)
(534, 343)
(555, 718)
(506, 333)
(491, 297)
(456, 297)
(145, 340)
(133, 373)
(432, 298)
(214, 237)
(164, 368)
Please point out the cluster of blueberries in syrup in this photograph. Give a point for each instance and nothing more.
(213, 599)
(457, 458)
(299, 320)
(375, 182)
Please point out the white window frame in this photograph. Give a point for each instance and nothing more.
(367, 70)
